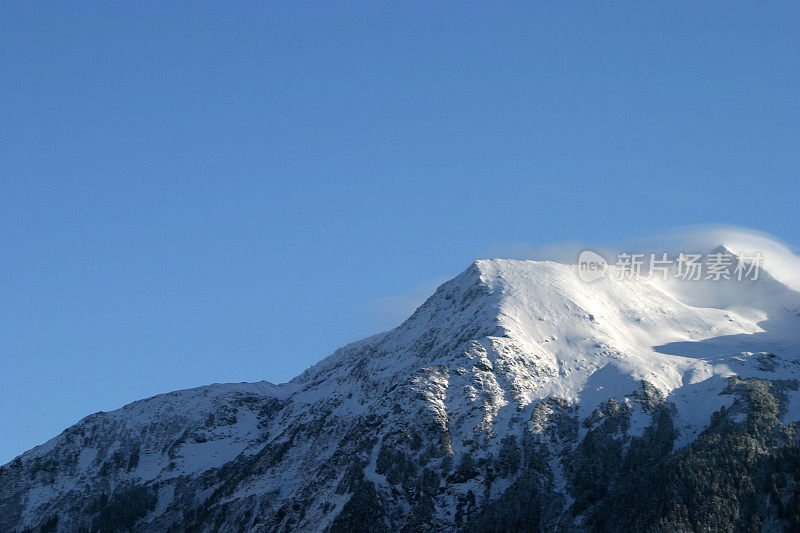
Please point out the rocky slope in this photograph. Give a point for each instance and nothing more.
(515, 398)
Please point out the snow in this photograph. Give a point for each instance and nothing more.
(473, 360)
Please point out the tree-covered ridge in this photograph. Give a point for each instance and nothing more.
(742, 473)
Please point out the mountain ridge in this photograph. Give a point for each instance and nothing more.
(416, 418)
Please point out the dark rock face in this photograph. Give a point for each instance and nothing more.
(487, 410)
(742, 473)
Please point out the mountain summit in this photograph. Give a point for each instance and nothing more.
(517, 397)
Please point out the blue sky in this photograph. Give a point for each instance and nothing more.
(228, 192)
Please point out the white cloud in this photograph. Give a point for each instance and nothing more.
(780, 260)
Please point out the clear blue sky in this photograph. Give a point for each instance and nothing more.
(229, 191)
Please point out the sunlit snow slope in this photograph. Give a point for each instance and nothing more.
(475, 365)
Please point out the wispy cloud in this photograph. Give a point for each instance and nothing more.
(780, 260)
(390, 311)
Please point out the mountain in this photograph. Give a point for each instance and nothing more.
(517, 397)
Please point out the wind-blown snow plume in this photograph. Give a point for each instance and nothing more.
(781, 260)
(516, 387)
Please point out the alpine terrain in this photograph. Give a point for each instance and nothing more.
(516, 398)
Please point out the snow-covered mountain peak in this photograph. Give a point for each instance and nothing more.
(723, 249)
(507, 351)
(548, 332)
